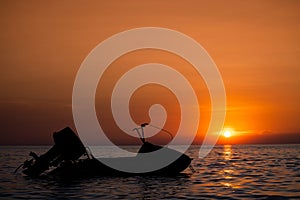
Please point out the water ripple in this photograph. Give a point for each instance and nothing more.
(228, 172)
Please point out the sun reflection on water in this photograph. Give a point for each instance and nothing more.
(227, 152)
(228, 171)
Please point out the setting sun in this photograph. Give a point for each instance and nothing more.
(227, 134)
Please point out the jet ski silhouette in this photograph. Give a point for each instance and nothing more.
(69, 158)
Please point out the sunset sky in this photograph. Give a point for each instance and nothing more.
(255, 44)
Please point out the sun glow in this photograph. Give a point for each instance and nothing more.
(227, 133)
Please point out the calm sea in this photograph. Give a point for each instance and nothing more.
(228, 172)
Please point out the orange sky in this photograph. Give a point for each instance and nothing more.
(255, 44)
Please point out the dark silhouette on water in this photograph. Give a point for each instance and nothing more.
(69, 158)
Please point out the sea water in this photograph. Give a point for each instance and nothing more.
(227, 172)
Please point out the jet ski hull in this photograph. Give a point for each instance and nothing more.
(94, 167)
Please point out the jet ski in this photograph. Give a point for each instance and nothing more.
(69, 158)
